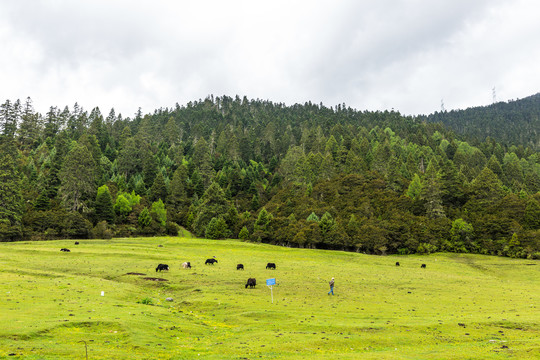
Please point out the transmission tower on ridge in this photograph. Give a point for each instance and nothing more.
(494, 95)
(442, 106)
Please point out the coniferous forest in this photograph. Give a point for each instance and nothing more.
(301, 176)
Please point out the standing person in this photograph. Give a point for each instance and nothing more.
(331, 287)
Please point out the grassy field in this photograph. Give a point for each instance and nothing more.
(459, 307)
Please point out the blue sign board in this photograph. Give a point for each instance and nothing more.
(270, 282)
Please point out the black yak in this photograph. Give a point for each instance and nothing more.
(162, 267)
(251, 282)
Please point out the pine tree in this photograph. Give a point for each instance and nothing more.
(172, 132)
(150, 167)
(122, 207)
(92, 144)
(313, 217)
(202, 160)
(513, 173)
(30, 127)
(452, 193)
(415, 187)
(232, 219)
(9, 117)
(11, 208)
(104, 205)
(216, 229)
(213, 204)
(129, 157)
(77, 177)
(158, 190)
(486, 187)
(332, 147)
(197, 185)
(178, 192)
(461, 236)
(159, 213)
(531, 220)
(494, 165)
(144, 219)
(255, 203)
(327, 223)
(263, 220)
(431, 193)
(42, 202)
(244, 233)
(52, 122)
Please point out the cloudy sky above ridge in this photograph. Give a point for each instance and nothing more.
(409, 55)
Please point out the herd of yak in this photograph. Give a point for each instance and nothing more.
(251, 282)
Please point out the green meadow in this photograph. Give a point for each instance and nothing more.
(458, 307)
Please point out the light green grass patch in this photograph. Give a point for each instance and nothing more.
(460, 306)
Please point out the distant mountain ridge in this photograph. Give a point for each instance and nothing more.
(515, 122)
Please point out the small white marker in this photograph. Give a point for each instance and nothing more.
(103, 293)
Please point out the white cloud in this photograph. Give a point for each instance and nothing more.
(406, 55)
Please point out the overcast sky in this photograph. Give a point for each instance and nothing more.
(408, 55)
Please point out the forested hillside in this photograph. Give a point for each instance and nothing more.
(302, 175)
(514, 122)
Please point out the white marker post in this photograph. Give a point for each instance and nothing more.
(270, 283)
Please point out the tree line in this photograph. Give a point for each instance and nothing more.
(514, 122)
(304, 175)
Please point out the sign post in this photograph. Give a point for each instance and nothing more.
(270, 283)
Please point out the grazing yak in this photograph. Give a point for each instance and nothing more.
(76, 243)
(162, 267)
(210, 261)
(271, 266)
(423, 266)
(251, 282)
(65, 250)
(186, 265)
(240, 267)
(397, 263)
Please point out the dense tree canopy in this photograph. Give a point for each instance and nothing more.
(301, 175)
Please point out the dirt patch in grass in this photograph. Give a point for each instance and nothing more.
(133, 273)
(155, 279)
(513, 264)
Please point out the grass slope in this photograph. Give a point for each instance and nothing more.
(459, 307)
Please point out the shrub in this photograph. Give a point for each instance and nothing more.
(172, 228)
(159, 213)
(244, 233)
(217, 229)
(102, 231)
(426, 248)
(146, 301)
(144, 218)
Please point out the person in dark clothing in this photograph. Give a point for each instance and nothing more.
(331, 287)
